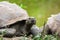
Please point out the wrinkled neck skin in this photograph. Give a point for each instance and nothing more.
(28, 27)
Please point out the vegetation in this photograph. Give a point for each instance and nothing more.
(38, 37)
(46, 37)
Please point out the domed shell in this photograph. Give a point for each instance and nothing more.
(54, 23)
(10, 13)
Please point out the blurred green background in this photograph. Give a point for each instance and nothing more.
(40, 9)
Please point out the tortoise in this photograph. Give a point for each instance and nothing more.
(52, 27)
(15, 19)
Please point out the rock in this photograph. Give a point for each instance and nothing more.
(35, 30)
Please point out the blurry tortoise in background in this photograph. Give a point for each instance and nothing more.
(15, 20)
(53, 25)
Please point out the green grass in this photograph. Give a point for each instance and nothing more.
(46, 37)
(38, 37)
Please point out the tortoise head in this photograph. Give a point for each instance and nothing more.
(29, 23)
